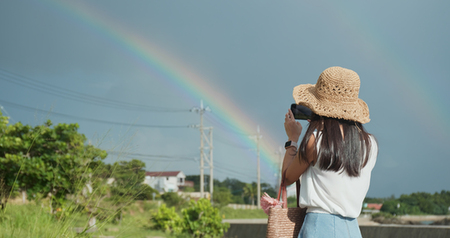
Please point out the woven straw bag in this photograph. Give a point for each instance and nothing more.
(285, 222)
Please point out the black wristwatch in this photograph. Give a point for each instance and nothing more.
(290, 143)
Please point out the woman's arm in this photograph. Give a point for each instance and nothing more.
(292, 163)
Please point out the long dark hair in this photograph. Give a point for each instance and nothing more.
(348, 153)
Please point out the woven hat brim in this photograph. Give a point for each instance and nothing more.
(305, 94)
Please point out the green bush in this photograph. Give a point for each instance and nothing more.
(203, 220)
(386, 218)
(145, 192)
(200, 220)
(237, 199)
(166, 219)
(382, 214)
(173, 200)
(222, 197)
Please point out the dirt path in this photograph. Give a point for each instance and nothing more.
(424, 218)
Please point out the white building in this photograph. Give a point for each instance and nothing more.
(168, 181)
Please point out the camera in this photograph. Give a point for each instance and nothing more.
(301, 112)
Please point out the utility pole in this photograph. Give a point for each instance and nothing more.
(203, 156)
(258, 138)
(211, 167)
(280, 160)
(209, 160)
(4, 110)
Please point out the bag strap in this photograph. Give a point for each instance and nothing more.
(283, 191)
(297, 187)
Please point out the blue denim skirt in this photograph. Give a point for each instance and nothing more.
(320, 225)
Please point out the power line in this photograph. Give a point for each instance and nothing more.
(90, 99)
(4, 110)
(227, 142)
(150, 157)
(239, 173)
(89, 119)
(165, 158)
(233, 169)
(228, 171)
(225, 126)
(77, 96)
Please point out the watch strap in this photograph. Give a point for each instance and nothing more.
(290, 143)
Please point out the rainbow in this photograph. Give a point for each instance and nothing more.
(409, 82)
(176, 75)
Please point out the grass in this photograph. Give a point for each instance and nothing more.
(36, 220)
(32, 220)
(230, 213)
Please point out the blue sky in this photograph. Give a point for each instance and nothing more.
(65, 61)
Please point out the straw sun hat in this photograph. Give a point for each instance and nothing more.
(334, 95)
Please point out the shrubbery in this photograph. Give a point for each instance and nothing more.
(382, 214)
(222, 197)
(166, 219)
(387, 218)
(45, 160)
(200, 220)
(418, 204)
(173, 200)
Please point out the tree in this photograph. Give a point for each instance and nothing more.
(45, 160)
(4, 191)
(221, 196)
(267, 188)
(196, 180)
(127, 187)
(128, 177)
(250, 192)
(390, 206)
(236, 188)
(146, 192)
(128, 183)
(418, 203)
(173, 200)
(373, 200)
(239, 193)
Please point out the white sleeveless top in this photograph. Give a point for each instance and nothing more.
(332, 192)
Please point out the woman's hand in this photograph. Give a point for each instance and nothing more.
(293, 128)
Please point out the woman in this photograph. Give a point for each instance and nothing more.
(335, 157)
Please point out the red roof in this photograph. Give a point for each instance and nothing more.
(376, 206)
(163, 174)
